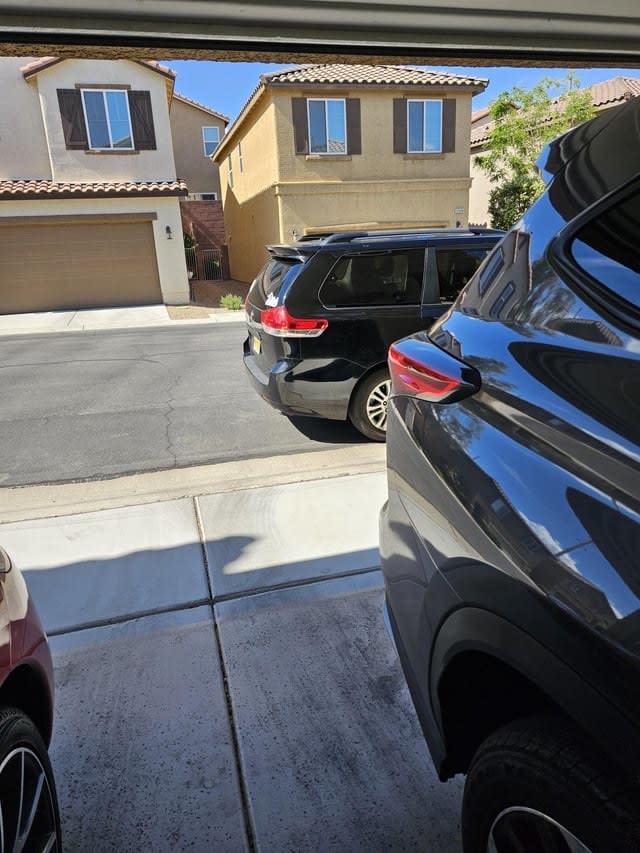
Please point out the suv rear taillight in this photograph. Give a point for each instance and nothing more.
(421, 369)
(278, 322)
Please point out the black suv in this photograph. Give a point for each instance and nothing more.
(322, 313)
(510, 542)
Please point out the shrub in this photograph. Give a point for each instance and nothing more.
(231, 301)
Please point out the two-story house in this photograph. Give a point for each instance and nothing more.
(196, 131)
(340, 147)
(89, 210)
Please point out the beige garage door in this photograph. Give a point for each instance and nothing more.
(45, 267)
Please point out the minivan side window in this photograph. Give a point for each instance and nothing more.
(382, 279)
(606, 248)
(455, 268)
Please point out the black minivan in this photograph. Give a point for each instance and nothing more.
(323, 312)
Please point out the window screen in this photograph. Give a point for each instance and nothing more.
(607, 249)
(392, 278)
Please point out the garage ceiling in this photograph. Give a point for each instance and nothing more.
(456, 32)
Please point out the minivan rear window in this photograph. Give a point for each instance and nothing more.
(275, 273)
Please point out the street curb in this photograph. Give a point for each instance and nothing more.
(26, 503)
(214, 319)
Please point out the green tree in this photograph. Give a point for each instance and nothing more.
(524, 121)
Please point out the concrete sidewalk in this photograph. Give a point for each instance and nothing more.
(224, 677)
(105, 318)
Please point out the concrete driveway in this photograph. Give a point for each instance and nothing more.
(225, 681)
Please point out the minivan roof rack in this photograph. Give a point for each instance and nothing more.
(348, 236)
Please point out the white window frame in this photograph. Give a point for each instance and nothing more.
(424, 102)
(230, 171)
(325, 101)
(204, 141)
(240, 157)
(104, 93)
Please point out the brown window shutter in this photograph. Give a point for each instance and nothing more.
(144, 135)
(354, 132)
(399, 126)
(300, 126)
(73, 126)
(448, 125)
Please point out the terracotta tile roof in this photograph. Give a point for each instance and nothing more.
(370, 75)
(193, 103)
(27, 189)
(47, 61)
(604, 95)
(614, 91)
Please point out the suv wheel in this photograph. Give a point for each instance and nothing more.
(368, 408)
(537, 784)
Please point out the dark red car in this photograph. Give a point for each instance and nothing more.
(29, 819)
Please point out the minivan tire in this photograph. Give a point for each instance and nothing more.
(538, 784)
(370, 398)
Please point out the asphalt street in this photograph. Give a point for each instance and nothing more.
(97, 404)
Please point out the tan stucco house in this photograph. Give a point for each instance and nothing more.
(609, 93)
(89, 210)
(196, 131)
(339, 147)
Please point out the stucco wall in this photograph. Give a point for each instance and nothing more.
(200, 172)
(71, 165)
(249, 228)
(377, 159)
(260, 163)
(371, 205)
(172, 266)
(23, 145)
(479, 195)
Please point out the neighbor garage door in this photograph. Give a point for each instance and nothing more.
(44, 267)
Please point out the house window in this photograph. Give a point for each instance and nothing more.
(240, 156)
(107, 118)
(210, 139)
(327, 125)
(424, 127)
(230, 168)
(103, 119)
(209, 196)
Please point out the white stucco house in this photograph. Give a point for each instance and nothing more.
(89, 198)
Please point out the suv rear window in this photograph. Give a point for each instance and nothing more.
(607, 249)
(387, 278)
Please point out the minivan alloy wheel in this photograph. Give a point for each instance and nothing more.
(519, 828)
(377, 402)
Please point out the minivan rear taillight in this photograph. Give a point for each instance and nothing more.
(419, 368)
(278, 322)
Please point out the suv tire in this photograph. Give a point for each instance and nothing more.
(368, 406)
(537, 784)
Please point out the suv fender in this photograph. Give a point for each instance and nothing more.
(470, 639)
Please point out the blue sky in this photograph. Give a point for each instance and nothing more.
(225, 86)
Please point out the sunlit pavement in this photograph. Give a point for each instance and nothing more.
(225, 681)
